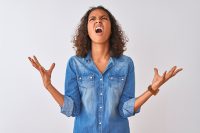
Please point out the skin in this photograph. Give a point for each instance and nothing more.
(100, 18)
(100, 56)
(100, 43)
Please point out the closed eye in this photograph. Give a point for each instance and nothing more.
(92, 18)
(105, 18)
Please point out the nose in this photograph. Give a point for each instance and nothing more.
(98, 20)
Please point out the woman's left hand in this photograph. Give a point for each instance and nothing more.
(159, 80)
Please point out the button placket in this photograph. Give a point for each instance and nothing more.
(100, 105)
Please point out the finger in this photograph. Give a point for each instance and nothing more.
(52, 67)
(42, 70)
(36, 60)
(170, 73)
(178, 70)
(156, 71)
(33, 63)
(164, 75)
(173, 69)
(31, 60)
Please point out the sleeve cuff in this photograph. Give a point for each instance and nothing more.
(68, 106)
(128, 108)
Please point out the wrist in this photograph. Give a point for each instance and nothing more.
(48, 85)
(154, 90)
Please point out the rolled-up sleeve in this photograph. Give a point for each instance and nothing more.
(71, 106)
(68, 106)
(127, 100)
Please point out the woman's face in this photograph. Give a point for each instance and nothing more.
(99, 26)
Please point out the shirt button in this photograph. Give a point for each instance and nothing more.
(100, 107)
(101, 94)
(101, 79)
(99, 123)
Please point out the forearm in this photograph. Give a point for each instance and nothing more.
(142, 99)
(157, 82)
(59, 98)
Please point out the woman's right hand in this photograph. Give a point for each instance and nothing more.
(45, 74)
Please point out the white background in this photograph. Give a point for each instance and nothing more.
(161, 33)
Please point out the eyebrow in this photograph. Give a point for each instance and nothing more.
(100, 16)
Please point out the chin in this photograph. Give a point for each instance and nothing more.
(100, 41)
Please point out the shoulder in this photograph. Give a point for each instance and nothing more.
(74, 62)
(74, 59)
(125, 59)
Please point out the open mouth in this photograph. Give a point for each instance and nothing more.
(99, 29)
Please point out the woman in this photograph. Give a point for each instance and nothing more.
(100, 82)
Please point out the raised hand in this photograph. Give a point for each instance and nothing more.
(159, 80)
(45, 74)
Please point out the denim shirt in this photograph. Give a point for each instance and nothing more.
(100, 102)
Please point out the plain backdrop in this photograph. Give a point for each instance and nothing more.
(162, 33)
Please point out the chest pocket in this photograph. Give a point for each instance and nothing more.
(86, 82)
(116, 83)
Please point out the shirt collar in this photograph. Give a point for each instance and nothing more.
(88, 59)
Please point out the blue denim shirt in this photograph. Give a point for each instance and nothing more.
(100, 102)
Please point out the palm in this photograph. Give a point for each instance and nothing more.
(159, 80)
(45, 74)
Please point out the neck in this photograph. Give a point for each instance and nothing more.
(100, 52)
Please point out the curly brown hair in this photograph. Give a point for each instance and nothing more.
(82, 41)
